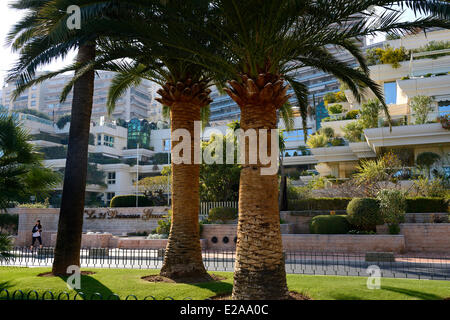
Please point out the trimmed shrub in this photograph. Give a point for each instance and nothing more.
(426, 205)
(364, 214)
(318, 204)
(127, 201)
(222, 214)
(335, 224)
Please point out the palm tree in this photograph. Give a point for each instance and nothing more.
(185, 92)
(265, 43)
(21, 171)
(41, 37)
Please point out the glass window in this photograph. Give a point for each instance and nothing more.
(166, 145)
(390, 92)
(111, 178)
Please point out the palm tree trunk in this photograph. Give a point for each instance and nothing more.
(68, 242)
(260, 270)
(183, 257)
(260, 267)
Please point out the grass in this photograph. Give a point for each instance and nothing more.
(126, 282)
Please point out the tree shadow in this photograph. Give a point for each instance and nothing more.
(218, 287)
(413, 293)
(91, 289)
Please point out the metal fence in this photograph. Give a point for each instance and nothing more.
(6, 294)
(305, 262)
(206, 206)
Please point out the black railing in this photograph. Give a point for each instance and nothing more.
(78, 295)
(305, 262)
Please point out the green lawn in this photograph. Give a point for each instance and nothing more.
(125, 282)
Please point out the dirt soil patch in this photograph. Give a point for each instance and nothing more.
(293, 295)
(49, 274)
(190, 280)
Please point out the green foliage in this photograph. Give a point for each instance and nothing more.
(373, 175)
(222, 214)
(219, 182)
(34, 113)
(364, 214)
(353, 131)
(335, 109)
(22, 173)
(369, 113)
(53, 153)
(318, 140)
(352, 114)
(433, 46)
(6, 247)
(426, 187)
(61, 123)
(333, 97)
(36, 205)
(163, 227)
(99, 158)
(329, 224)
(161, 158)
(426, 204)
(128, 201)
(337, 142)
(392, 206)
(394, 228)
(421, 107)
(387, 55)
(9, 223)
(312, 204)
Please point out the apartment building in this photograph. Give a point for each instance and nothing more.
(136, 102)
(425, 73)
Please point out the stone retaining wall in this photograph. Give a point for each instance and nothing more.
(111, 220)
(344, 242)
(427, 237)
(223, 236)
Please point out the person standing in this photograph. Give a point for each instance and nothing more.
(37, 233)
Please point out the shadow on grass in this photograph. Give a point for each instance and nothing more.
(413, 293)
(91, 288)
(218, 287)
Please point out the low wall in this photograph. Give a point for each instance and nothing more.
(344, 242)
(225, 235)
(117, 221)
(425, 217)
(426, 237)
(107, 240)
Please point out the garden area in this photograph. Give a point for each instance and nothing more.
(124, 283)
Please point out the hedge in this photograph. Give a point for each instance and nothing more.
(222, 214)
(426, 204)
(318, 204)
(329, 224)
(413, 205)
(127, 201)
(364, 214)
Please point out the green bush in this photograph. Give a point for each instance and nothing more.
(426, 205)
(352, 114)
(127, 201)
(392, 206)
(9, 223)
(222, 214)
(328, 224)
(364, 214)
(318, 204)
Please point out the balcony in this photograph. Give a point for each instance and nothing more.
(430, 133)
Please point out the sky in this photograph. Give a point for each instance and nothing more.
(7, 58)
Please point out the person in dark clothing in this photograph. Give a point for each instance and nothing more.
(37, 233)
